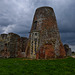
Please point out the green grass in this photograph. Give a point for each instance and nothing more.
(19, 66)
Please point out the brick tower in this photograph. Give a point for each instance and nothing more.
(44, 39)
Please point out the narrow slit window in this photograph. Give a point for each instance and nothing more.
(35, 24)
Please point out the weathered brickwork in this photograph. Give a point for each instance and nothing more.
(45, 52)
(12, 45)
(49, 43)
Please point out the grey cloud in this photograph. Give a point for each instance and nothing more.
(66, 22)
(68, 38)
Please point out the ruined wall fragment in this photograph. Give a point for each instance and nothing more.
(68, 50)
(12, 45)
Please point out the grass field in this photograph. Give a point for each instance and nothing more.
(19, 66)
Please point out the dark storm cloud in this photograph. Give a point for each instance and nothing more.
(66, 24)
(17, 16)
(67, 21)
(68, 38)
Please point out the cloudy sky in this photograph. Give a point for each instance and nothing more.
(17, 15)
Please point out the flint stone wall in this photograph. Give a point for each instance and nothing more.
(12, 45)
(68, 50)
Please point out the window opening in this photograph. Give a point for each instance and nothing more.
(35, 24)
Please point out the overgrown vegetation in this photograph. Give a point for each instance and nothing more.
(19, 66)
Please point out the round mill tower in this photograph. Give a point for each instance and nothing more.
(44, 39)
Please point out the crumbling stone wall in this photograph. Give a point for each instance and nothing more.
(68, 50)
(46, 25)
(23, 44)
(3, 46)
(12, 45)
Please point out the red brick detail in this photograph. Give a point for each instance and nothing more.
(49, 52)
(46, 52)
(62, 51)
